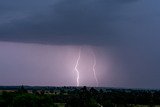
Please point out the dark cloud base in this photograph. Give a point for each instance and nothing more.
(66, 22)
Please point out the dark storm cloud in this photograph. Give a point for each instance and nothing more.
(63, 22)
(127, 28)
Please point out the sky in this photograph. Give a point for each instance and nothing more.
(40, 42)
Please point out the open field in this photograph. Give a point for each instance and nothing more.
(60, 104)
(145, 106)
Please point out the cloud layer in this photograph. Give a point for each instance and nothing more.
(65, 21)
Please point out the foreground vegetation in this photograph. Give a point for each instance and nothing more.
(79, 97)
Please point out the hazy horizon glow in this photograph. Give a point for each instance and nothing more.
(37, 64)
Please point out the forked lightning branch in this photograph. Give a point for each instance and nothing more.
(93, 68)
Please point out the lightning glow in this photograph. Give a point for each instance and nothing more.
(94, 70)
(76, 66)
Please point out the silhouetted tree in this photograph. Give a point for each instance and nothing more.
(22, 90)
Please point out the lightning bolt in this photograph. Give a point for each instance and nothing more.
(94, 70)
(76, 66)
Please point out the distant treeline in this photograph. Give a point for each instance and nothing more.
(26, 96)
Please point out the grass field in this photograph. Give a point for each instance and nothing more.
(63, 105)
(60, 104)
(145, 106)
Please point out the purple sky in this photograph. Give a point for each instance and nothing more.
(36, 64)
(40, 41)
